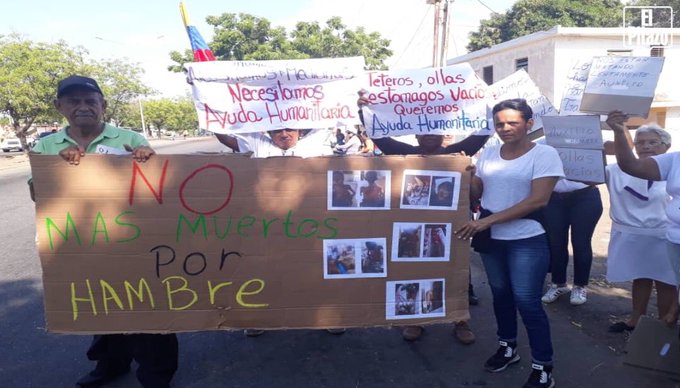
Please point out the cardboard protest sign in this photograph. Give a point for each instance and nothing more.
(252, 96)
(520, 85)
(582, 165)
(437, 101)
(654, 345)
(577, 76)
(578, 140)
(573, 131)
(209, 242)
(621, 83)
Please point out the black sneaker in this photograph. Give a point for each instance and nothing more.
(505, 355)
(540, 377)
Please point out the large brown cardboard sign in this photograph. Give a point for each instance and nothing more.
(209, 242)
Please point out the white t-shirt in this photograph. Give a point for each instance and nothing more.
(633, 202)
(669, 167)
(351, 147)
(262, 146)
(508, 182)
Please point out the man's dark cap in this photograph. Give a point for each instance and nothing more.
(77, 81)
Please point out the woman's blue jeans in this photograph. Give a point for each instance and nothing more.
(579, 211)
(516, 271)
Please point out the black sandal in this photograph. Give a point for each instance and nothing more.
(620, 327)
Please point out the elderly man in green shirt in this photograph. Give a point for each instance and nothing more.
(82, 102)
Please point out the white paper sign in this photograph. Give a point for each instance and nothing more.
(520, 85)
(582, 165)
(573, 131)
(577, 76)
(438, 101)
(621, 83)
(252, 96)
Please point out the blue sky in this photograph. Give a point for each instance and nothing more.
(145, 31)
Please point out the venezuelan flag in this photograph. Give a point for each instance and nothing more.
(202, 52)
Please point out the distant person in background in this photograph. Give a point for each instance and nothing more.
(432, 145)
(645, 219)
(351, 146)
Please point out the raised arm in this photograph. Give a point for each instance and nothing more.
(642, 168)
(229, 141)
(470, 145)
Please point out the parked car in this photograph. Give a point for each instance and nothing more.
(11, 145)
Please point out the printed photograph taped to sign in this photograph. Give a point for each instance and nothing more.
(621, 83)
(438, 101)
(420, 242)
(431, 190)
(359, 190)
(412, 299)
(252, 96)
(355, 258)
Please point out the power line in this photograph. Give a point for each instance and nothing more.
(486, 6)
(413, 36)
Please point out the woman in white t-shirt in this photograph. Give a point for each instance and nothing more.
(655, 168)
(514, 180)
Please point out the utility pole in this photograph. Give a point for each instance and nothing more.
(441, 31)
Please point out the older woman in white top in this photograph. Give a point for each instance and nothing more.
(638, 246)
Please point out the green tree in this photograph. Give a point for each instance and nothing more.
(529, 16)
(171, 114)
(248, 37)
(121, 83)
(29, 73)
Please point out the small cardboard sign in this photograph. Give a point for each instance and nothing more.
(437, 101)
(212, 242)
(583, 165)
(573, 131)
(621, 83)
(520, 85)
(653, 345)
(577, 76)
(247, 96)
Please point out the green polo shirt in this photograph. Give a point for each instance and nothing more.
(112, 140)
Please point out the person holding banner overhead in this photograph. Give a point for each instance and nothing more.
(432, 145)
(645, 237)
(514, 181)
(279, 142)
(81, 102)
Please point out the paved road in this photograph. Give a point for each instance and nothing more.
(586, 356)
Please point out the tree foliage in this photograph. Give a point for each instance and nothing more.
(248, 37)
(171, 114)
(529, 16)
(30, 71)
(675, 4)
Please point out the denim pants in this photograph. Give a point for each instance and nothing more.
(516, 271)
(579, 210)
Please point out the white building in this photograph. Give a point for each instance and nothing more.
(548, 55)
